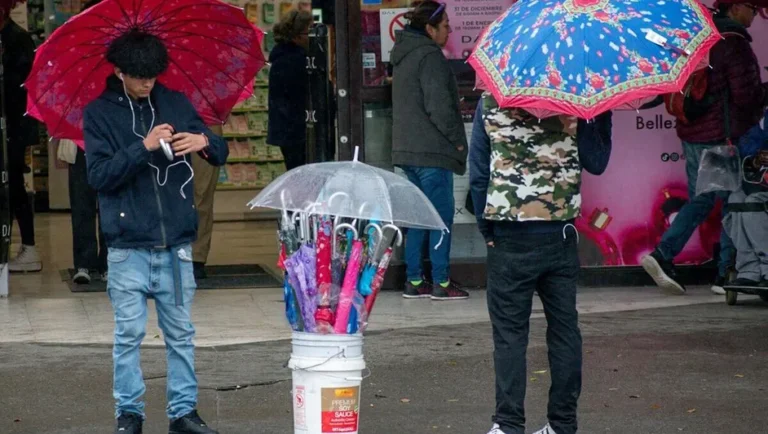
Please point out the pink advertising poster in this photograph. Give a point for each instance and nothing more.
(627, 209)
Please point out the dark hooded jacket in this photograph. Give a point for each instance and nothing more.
(288, 92)
(136, 211)
(18, 55)
(735, 76)
(427, 128)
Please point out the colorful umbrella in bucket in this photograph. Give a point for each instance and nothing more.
(585, 57)
(349, 287)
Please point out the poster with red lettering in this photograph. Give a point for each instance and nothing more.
(626, 210)
(340, 409)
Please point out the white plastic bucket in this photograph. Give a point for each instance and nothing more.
(327, 375)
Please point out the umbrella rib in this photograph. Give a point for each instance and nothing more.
(58, 36)
(69, 107)
(53, 82)
(229, 44)
(64, 52)
(123, 11)
(210, 104)
(186, 50)
(167, 15)
(199, 20)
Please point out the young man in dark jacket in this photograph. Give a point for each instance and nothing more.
(18, 55)
(734, 86)
(525, 181)
(149, 220)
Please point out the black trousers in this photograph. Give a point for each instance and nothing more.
(518, 266)
(294, 155)
(88, 251)
(21, 206)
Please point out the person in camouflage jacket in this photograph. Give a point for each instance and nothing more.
(525, 181)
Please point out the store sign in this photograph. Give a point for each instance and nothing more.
(391, 22)
(468, 20)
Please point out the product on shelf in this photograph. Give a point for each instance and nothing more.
(285, 8)
(268, 13)
(235, 173)
(243, 150)
(251, 174)
(252, 12)
(223, 178)
(229, 127)
(260, 98)
(274, 153)
(258, 148)
(269, 41)
(241, 124)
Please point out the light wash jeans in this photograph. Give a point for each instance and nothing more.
(695, 212)
(134, 276)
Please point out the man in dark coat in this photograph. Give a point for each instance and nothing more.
(149, 219)
(734, 85)
(18, 55)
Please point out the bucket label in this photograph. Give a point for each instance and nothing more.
(340, 408)
(299, 408)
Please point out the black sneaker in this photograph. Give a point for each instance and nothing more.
(450, 292)
(422, 290)
(199, 269)
(719, 286)
(744, 283)
(129, 423)
(190, 424)
(663, 273)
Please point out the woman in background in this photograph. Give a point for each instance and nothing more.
(289, 88)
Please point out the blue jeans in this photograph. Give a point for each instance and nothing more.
(695, 212)
(134, 276)
(437, 185)
(518, 266)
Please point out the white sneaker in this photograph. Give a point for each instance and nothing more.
(82, 277)
(546, 430)
(496, 429)
(105, 276)
(26, 261)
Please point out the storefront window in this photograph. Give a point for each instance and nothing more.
(382, 19)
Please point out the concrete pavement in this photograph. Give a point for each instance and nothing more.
(691, 369)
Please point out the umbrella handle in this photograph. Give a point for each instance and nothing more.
(283, 193)
(378, 229)
(336, 229)
(334, 196)
(397, 230)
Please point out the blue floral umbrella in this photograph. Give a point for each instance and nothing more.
(585, 57)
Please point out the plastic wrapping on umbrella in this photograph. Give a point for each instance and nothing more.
(356, 314)
(377, 283)
(374, 237)
(324, 317)
(291, 307)
(349, 288)
(301, 275)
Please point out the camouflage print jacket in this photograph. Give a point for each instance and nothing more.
(523, 169)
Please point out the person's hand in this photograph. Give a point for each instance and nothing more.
(152, 141)
(187, 143)
(490, 244)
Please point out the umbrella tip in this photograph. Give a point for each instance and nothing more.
(357, 153)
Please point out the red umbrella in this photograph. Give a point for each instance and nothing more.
(215, 53)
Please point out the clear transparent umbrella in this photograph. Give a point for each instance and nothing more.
(351, 189)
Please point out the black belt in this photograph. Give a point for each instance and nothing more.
(748, 207)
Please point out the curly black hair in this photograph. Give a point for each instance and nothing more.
(138, 54)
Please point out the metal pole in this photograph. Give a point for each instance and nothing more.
(5, 215)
